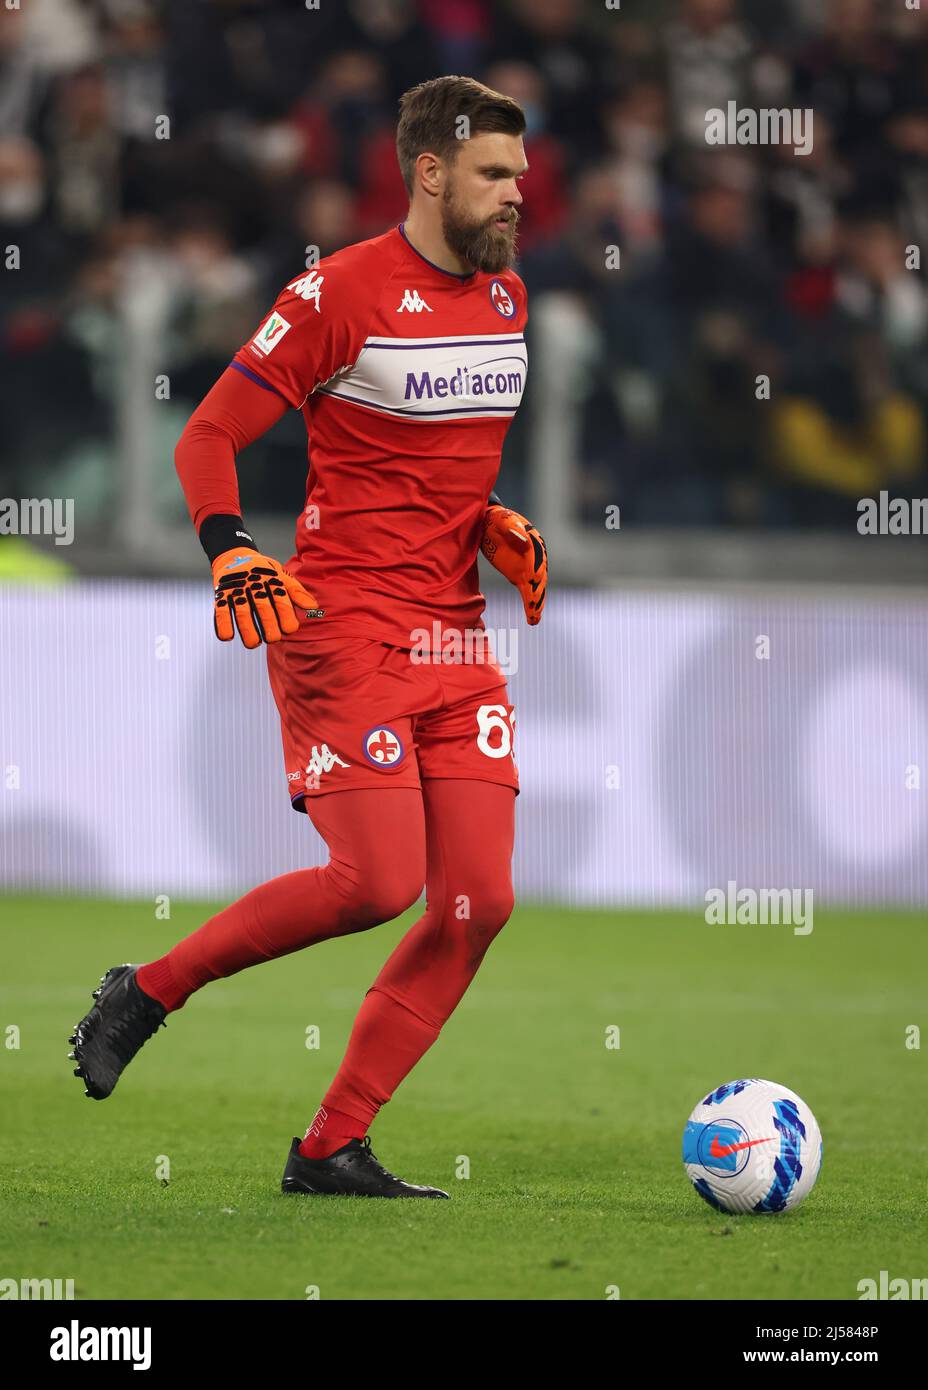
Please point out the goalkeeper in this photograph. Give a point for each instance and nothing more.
(406, 356)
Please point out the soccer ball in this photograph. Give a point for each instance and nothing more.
(752, 1146)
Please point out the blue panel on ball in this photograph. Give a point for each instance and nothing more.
(705, 1191)
(697, 1142)
(691, 1141)
(731, 1088)
(787, 1168)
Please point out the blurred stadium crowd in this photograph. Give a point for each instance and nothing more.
(735, 261)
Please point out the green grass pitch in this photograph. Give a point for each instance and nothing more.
(575, 1182)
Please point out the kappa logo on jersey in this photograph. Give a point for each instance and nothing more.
(270, 334)
(323, 760)
(501, 299)
(382, 747)
(309, 287)
(413, 301)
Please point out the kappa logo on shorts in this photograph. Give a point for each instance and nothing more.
(382, 747)
(323, 760)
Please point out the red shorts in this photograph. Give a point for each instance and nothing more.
(355, 712)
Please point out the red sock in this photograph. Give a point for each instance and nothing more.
(377, 867)
(386, 1042)
(470, 846)
(330, 1130)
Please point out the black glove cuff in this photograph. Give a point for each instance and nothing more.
(224, 532)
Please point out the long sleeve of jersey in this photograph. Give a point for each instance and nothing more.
(236, 412)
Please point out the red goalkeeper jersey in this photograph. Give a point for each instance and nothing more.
(408, 377)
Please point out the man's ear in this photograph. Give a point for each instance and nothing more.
(428, 173)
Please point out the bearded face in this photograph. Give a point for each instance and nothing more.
(487, 243)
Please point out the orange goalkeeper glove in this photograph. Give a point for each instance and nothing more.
(514, 547)
(255, 595)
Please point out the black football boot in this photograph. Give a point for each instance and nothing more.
(120, 1022)
(352, 1171)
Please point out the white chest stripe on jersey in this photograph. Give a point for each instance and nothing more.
(433, 379)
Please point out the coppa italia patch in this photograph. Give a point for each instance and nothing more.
(270, 334)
